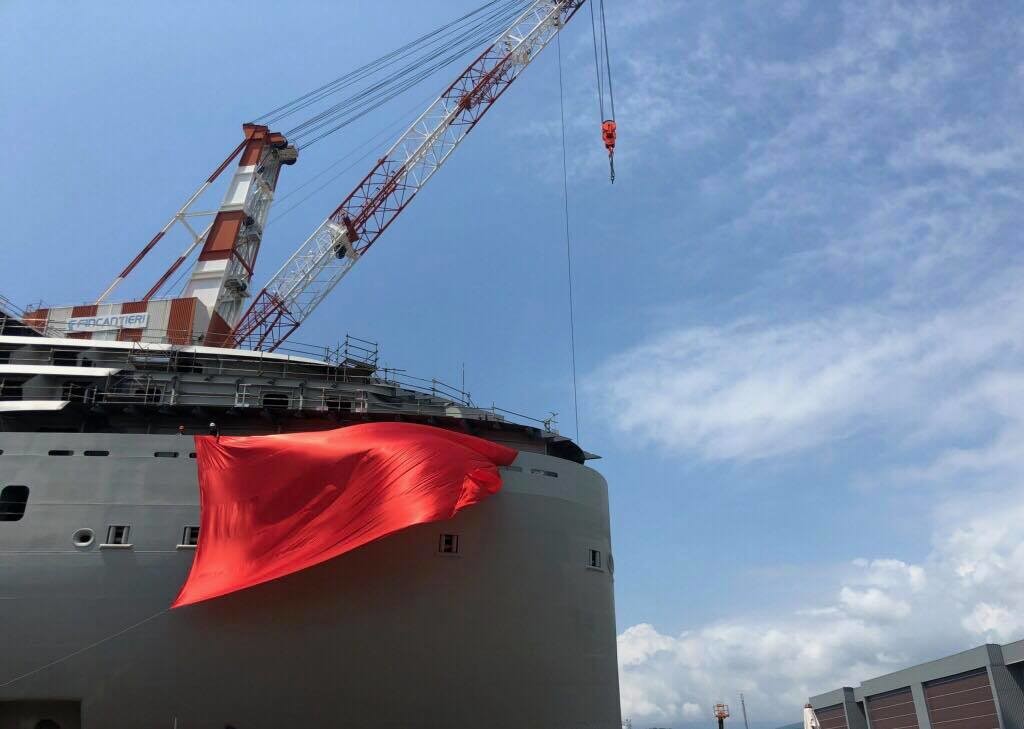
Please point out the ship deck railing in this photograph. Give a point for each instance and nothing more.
(352, 362)
(129, 390)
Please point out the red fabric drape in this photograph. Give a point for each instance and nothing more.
(275, 504)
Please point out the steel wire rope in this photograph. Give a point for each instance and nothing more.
(374, 96)
(370, 144)
(71, 655)
(299, 102)
(597, 62)
(601, 53)
(472, 42)
(607, 60)
(568, 242)
(402, 120)
(476, 35)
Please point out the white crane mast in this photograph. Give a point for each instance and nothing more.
(342, 239)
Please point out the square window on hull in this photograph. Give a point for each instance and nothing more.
(448, 544)
(118, 534)
(12, 502)
(190, 536)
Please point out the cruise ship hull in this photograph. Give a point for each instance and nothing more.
(515, 630)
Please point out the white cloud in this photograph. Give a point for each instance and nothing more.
(691, 711)
(995, 622)
(884, 615)
(873, 604)
(753, 388)
(870, 172)
(958, 147)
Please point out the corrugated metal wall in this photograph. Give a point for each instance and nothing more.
(893, 710)
(1009, 685)
(217, 334)
(832, 717)
(132, 307)
(963, 701)
(179, 323)
(86, 310)
(37, 318)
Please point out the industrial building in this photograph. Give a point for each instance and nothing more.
(981, 688)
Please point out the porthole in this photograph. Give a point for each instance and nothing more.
(82, 538)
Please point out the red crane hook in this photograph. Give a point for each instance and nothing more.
(608, 135)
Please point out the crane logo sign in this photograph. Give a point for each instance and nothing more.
(105, 323)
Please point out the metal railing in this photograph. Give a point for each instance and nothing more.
(354, 361)
(9, 310)
(434, 386)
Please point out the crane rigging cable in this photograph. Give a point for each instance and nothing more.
(568, 242)
(367, 100)
(367, 147)
(374, 84)
(473, 30)
(345, 236)
(291, 107)
(603, 70)
(479, 29)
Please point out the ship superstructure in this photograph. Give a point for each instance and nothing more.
(69, 385)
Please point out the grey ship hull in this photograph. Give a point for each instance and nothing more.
(516, 631)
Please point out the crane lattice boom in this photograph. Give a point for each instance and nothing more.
(342, 239)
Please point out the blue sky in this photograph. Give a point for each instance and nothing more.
(799, 309)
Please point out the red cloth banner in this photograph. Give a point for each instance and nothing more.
(275, 504)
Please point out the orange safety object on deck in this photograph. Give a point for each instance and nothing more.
(608, 135)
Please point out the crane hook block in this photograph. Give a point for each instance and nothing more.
(608, 135)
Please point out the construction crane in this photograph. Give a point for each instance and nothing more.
(214, 306)
(357, 223)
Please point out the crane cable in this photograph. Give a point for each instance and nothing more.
(429, 53)
(347, 79)
(78, 652)
(374, 84)
(609, 129)
(369, 146)
(568, 242)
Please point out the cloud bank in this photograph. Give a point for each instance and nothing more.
(865, 159)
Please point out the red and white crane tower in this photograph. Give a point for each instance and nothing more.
(362, 217)
(211, 309)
